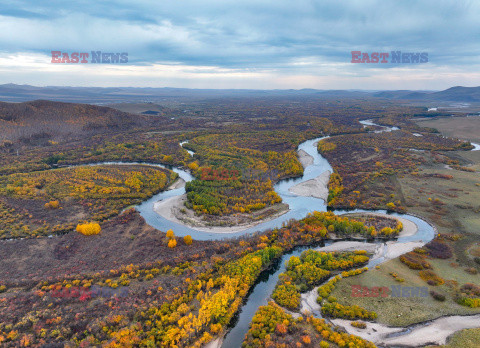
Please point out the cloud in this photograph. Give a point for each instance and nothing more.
(286, 38)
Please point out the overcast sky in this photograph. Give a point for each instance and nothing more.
(242, 44)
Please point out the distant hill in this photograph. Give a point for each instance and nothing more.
(141, 108)
(117, 95)
(165, 95)
(402, 94)
(453, 94)
(121, 95)
(459, 94)
(43, 120)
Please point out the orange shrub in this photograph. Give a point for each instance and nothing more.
(172, 243)
(188, 239)
(89, 229)
(170, 234)
(415, 260)
(431, 277)
(281, 329)
(193, 166)
(52, 205)
(306, 339)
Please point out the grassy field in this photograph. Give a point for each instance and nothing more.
(457, 127)
(399, 311)
(452, 204)
(458, 208)
(449, 197)
(465, 339)
(449, 270)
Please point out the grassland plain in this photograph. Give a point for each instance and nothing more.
(442, 186)
(400, 311)
(450, 197)
(456, 127)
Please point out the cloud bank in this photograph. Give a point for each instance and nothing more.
(247, 44)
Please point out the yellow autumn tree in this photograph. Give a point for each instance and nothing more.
(170, 234)
(52, 205)
(89, 229)
(188, 239)
(193, 166)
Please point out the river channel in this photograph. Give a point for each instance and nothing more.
(299, 207)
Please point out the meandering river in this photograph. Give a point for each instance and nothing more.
(299, 208)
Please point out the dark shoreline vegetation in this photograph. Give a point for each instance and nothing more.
(187, 294)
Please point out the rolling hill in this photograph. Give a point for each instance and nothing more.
(42, 120)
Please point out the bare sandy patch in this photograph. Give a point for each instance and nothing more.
(316, 187)
(304, 158)
(395, 250)
(434, 332)
(216, 343)
(308, 302)
(179, 183)
(374, 331)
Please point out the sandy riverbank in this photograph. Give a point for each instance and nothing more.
(216, 343)
(304, 158)
(317, 187)
(434, 332)
(171, 209)
(177, 184)
(373, 333)
(396, 250)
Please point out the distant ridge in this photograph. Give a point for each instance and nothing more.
(453, 94)
(108, 95)
(458, 93)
